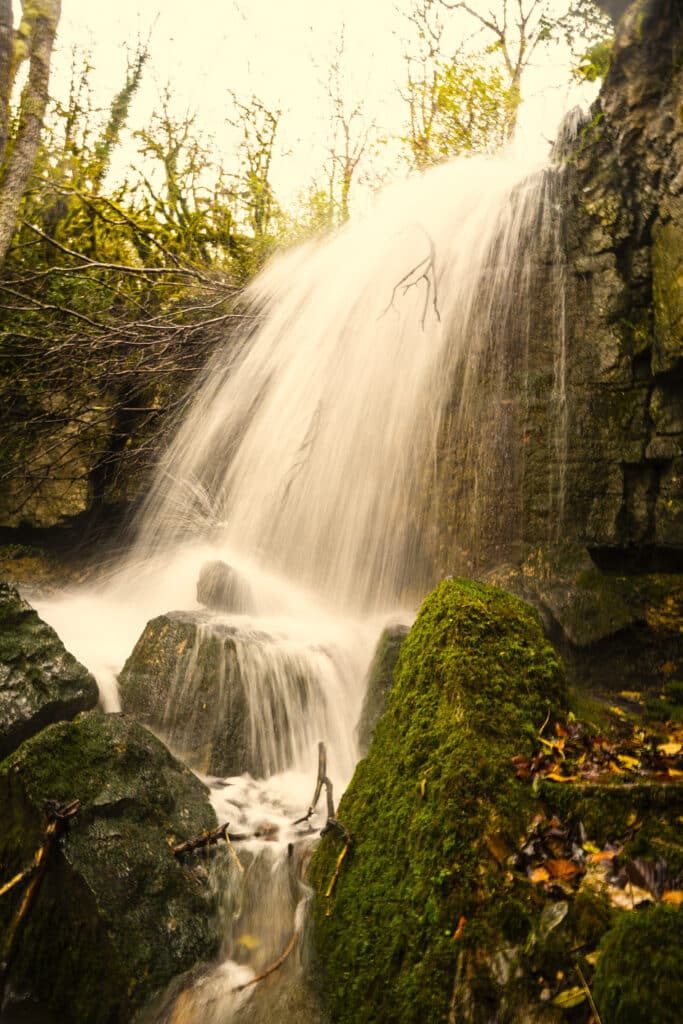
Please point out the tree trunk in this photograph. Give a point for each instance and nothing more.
(6, 48)
(42, 16)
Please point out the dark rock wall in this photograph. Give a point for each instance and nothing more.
(579, 431)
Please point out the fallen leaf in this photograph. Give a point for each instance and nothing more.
(570, 997)
(601, 856)
(557, 777)
(669, 749)
(562, 868)
(631, 695)
(539, 875)
(674, 896)
(628, 762)
(249, 941)
(461, 924)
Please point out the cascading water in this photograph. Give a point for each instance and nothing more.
(307, 462)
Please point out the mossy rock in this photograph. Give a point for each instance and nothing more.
(378, 683)
(474, 682)
(638, 979)
(117, 916)
(40, 682)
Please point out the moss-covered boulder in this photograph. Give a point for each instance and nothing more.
(378, 683)
(40, 682)
(434, 810)
(638, 979)
(117, 915)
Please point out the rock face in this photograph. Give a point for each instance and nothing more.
(581, 386)
(40, 682)
(117, 915)
(614, 632)
(379, 681)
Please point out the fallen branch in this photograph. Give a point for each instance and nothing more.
(201, 842)
(273, 967)
(322, 780)
(57, 819)
(424, 270)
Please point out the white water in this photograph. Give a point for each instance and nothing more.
(304, 462)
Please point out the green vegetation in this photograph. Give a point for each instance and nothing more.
(638, 978)
(474, 682)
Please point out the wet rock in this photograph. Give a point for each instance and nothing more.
(223, 699)
(474, 682)
(222, 589)
(117, 915)
(40, 682)
(380, 679)
(614, 631)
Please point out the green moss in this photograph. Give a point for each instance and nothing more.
(638, 979)
(113, 893)
(474, 682)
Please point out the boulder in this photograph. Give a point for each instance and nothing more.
(614, 631)
(40, 682)
(117, 915)
(225, 699)
(222, 589)
(380, 679)
(466, 892)
(475, 680)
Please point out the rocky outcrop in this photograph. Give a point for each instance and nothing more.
(40, 682)
(116, 915)
(577, 433)
(614, 632)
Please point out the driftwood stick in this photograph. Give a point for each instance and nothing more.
(273, 967)
(322, 780)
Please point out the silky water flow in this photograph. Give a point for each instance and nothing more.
(307, 461)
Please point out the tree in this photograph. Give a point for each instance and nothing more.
(455, 104)
(350, 136)
(34, 41)
(516, 28)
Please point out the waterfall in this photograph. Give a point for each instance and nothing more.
(311, 459)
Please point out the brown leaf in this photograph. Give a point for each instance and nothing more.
(562, 868)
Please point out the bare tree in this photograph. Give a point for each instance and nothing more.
(34, 40)
(351, 133)
(517, 28)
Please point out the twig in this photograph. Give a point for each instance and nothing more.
(273, 967)
(589, 994)
(335, 876)
(424, 270)
(321, 781)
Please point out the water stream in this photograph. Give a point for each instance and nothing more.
(306, 461)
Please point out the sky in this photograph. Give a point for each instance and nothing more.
(279, 50)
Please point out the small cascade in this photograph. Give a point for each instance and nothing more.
(385, 383)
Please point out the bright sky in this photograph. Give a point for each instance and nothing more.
(279, 50)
